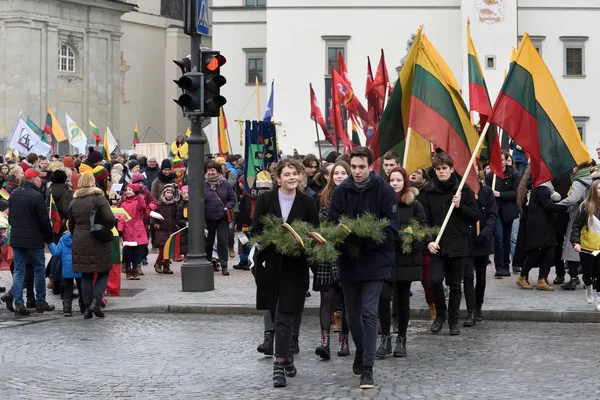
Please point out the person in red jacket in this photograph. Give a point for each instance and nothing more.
(135, 237)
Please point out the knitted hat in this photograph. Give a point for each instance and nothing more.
(132, 164)
(166, 164)
(220, 160)
(169, 188)
(100, 173)
(94, 156)
(185, 188)
(137, 177)
(58, 176)
(178, 163)
(69, 162)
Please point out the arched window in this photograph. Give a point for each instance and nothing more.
(66, 59)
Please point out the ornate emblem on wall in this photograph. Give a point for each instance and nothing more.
(490, 11)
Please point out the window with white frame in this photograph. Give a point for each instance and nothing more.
(536, 40)
(256, 59)
(574, 55)
(580, 122)
(66, 59)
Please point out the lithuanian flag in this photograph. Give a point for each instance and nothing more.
(52, 127)
(355, 137)
(136, 135)
(55, 219)
(531, 109)
(95, 132)
(479, 100)
(172, 249)
(4, 194)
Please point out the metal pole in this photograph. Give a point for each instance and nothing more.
(197, 271)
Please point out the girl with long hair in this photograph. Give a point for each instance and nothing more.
(585, 237)
(327, 277)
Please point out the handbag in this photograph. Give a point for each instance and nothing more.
(98, 227)
(228, 212)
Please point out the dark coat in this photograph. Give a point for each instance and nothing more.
(167, 226)
(244, 215)
(408, 266)
(437, 199)
(151, 175)
(483, 244)
(182, 222)
(540, 219)
(89, 254)
(62, 196)
(507, 186)
(213, 208)
(520, 253)
(376, 259)
(28, 218)
(11, 183)
(282, 277)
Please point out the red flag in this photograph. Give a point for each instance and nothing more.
(381, 82)
(371, 94)
(316, 115)
(335, 114)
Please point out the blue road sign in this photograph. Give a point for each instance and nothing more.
(203, 17)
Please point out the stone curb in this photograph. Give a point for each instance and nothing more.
(417, 313)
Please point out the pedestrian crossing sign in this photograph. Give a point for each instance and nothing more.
(203, 17)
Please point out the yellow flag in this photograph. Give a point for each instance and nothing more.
(223, 139)
(57, 131)
(188, 132)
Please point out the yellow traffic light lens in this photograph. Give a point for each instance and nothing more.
(213, 64)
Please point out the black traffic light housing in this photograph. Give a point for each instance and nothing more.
(190, 83)
(211, 62)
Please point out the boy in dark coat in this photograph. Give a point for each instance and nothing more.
(362, 278)
(167, 208)
(449, 257)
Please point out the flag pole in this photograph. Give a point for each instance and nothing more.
(318, 140)
(257, 99)
(241, 123)
(463, 181)
(406, 147)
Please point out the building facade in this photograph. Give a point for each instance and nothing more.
(294, 43)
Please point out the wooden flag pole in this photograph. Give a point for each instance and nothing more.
(463, 181)
(318, 141)
(257, 100)
(406, 147)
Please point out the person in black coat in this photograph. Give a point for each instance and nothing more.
(481, 245)
(449, 257)
(30, 230)
(406, 270)
(506, 199)
(182, 220)
(283, 281)
(540, 243)
(362, 278)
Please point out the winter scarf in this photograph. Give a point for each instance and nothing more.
(214, 181)
(580, 174)
(362, 185)
(166, 178)
(448, 185)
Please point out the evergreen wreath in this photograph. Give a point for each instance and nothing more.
(415, 232)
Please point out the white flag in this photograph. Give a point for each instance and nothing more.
(76, 136)
(110, 139)
(25, 141)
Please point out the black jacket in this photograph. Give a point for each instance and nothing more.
(283, 278)
(182, 222)
(483, 244)
(437, 199)
(378, 198)
(408, 266)
(151, 175)
(540, 228)
(62, 196)
(28, 218)
(244, 215)
(507, 186)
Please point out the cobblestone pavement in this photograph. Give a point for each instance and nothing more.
(177, 356)
(236, 294)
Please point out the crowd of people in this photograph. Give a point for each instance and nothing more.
(555, 224)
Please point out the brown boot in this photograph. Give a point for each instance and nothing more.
(50, 284)
(158, 267)
(231, 253)
(166, 268)
(136, 273)
(543, 285)
(432, 312)
(337, 321)
(524, 283)
(129, 274)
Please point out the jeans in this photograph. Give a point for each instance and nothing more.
(401, 290)
(502, 244)
(451, 269)
(362, 301)
(37, 258)
(270, 324)
(474, 294)
(218, 228)
(514, 234)
(67, 288)
(91, 290)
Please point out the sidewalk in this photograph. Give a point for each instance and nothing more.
(236, 294)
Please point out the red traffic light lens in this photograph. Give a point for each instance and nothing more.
(213, 64)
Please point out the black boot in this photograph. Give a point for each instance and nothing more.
(7, 298)
(266, 347)
(294, 344)
(385, 347)
(357, 365)
(453, 329)
(344, 346)
(571, 285)
(559, 280)
(471, 321)
(289, 367)
(81, 305)
(400, 350)
(437, 324)
(67, 308)
(98, 310)
(21, 310)
(279, 374)
(43, 306)
(478, 314)
(323, 350)
(89, 310)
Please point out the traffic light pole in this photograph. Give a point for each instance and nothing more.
(196, 272)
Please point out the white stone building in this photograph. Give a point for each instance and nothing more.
(295, 42)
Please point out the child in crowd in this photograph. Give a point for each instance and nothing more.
(182, 219)
(64, 250)
(167, 208)
(135, 238)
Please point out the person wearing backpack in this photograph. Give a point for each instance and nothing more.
(581, 180)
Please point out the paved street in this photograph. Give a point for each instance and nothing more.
(214, 357)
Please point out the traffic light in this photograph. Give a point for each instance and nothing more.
(211, 63)
(190, 83)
